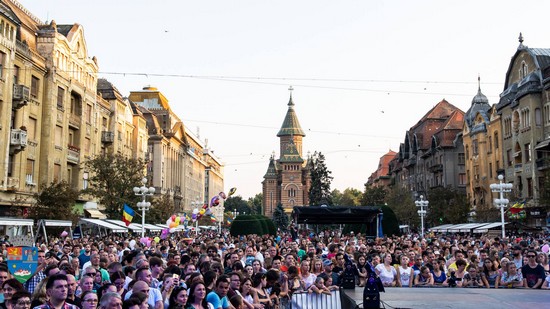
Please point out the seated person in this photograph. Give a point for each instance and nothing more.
(472, 278)
(511, 277)
(424, 278)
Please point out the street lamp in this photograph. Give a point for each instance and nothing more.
(143, 191)
(501, 202)
(422, 203)
(235, 213)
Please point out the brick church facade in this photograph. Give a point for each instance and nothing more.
(287, 180)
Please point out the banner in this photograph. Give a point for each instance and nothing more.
(22, 262)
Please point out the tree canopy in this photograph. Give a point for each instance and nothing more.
(55, 201)
(280, 218)
(319, 192)
(112, 180)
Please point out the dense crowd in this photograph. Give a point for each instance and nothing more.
(213, 270)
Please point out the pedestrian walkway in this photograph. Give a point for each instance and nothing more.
(457, 298)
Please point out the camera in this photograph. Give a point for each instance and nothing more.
(452, 279)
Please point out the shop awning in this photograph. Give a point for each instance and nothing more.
(16, 221)
(486, 228)
(440, 228)
(542, 144)
(152, 227)
(62, 223)
(113, 227)
(95, 214)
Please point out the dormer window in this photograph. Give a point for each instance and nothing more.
(523, 70)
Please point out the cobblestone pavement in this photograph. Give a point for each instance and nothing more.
(455, 298)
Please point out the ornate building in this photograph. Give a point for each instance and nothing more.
(524, 108)
(381, 177)
(287, 180)
(483, 154)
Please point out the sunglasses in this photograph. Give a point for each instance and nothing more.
(531, 256)
(91, 274)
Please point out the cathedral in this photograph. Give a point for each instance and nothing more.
(287, 180)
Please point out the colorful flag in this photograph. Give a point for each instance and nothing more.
(516, 208)
(213, 218)
(128, 214)
(229, 221)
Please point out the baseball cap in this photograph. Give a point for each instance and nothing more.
(327, 262)
(232, 246)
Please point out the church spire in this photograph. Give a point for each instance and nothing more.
(291, 125)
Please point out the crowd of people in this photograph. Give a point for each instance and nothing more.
(216, 270)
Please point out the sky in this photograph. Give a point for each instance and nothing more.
(363, 72)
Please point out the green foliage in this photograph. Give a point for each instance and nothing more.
(390, 226)
(447, 205)
(401, 202)
(319, 192)
(350, 197)
(544, 200)
(255, 203)
(236, 202)
(113, 178)
(280, 218)
(252, 224)
(373, 196)
(55, 201)
(162, 207)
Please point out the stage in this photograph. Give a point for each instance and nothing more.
(452, 298)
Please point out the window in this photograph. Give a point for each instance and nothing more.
(523, 70)
(509, 157)
(490, 146)
(56, 172)
(527, 150)
(461, 159)
(525, 118)
(475, 148)
(496, 140)
(2, 56)
(538, 117)
(467, 152)
(35, 85)
(31, 129)
(85, 180)
(29, 172)
(58, 136)
(491, 170)
(89, 113)
(60, 96)
(507, 126)
(547, 113)
(15, 74)
(530, 187)
(86, 146)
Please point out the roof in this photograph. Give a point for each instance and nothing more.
(113, 227)
(8, 13)
(291, 125)
(335, 214)
(271, 171)
(290, 154)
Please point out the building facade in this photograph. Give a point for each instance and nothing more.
(524, 108)
(287, 180)
(381, 177)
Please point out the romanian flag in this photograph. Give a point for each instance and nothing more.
(229, 221)
(516, 208)
(213, 218)
(128, 214)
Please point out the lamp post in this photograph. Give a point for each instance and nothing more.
(143, 191)
(235, 213)
(501, 202)
(422, 203)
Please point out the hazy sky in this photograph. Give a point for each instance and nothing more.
(363, 72)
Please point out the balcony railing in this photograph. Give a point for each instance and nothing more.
(74, 120)
(107, 137)
(18, 140)
(542, 163)
(436, 168)
(13, 183)
(73, 154)
(518, 168)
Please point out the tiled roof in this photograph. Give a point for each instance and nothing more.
(271, 171)
(291, 125)
(291, 154)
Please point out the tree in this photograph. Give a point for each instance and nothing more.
(55, 201)
(447, 205)
(319, 193)
(544, 200)
(162, 207)
(373, 196)
(280, 218)
(255, 203)
(237, 203)
(351, 197)
(113, 178)
(401, 202)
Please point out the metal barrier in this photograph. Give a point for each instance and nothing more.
(316, 301)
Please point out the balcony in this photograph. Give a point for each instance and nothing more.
(18, 140)
(436, 168)
(73, 154)
(410, 162)
(21, 96)
(542, 163)
(13, 183)
(75, 120)
(518, 168)
(107, 137)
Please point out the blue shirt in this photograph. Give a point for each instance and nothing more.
(215, 300)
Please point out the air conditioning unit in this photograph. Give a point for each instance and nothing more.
(21, 93)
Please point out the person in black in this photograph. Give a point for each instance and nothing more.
(533, 272)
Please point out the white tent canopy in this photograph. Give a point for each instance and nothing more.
(16, 227)
(105, 225)
(42, 224)
(134, 227)
(480, 227)
(487, 227)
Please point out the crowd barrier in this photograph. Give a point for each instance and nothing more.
(316, 301)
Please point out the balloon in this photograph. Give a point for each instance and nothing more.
(215, 201)
(195, 211)
(183, 218)
(148, 242)
(208, 212)
(232, 191)
(194, 216)
(157, 239)
(164, 233)
(168, 221)
(173, 217)
(64, 234)
(202, 211)
(172, 225)
(222, 195)
(177, 220)
(172, 230)
(143, 240)
(132, 244)
(545, 248)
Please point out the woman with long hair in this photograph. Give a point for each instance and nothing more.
(178, 298)
(10, 287)
(307, 278)
(197, 297)
(490, 275)
(386, 272)
(248, 292)
(317, 267)
(260, 282)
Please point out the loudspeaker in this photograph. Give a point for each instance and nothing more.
(371, 294)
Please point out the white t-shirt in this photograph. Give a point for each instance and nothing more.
(405, 275)
(385, 275)
(154, 296)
